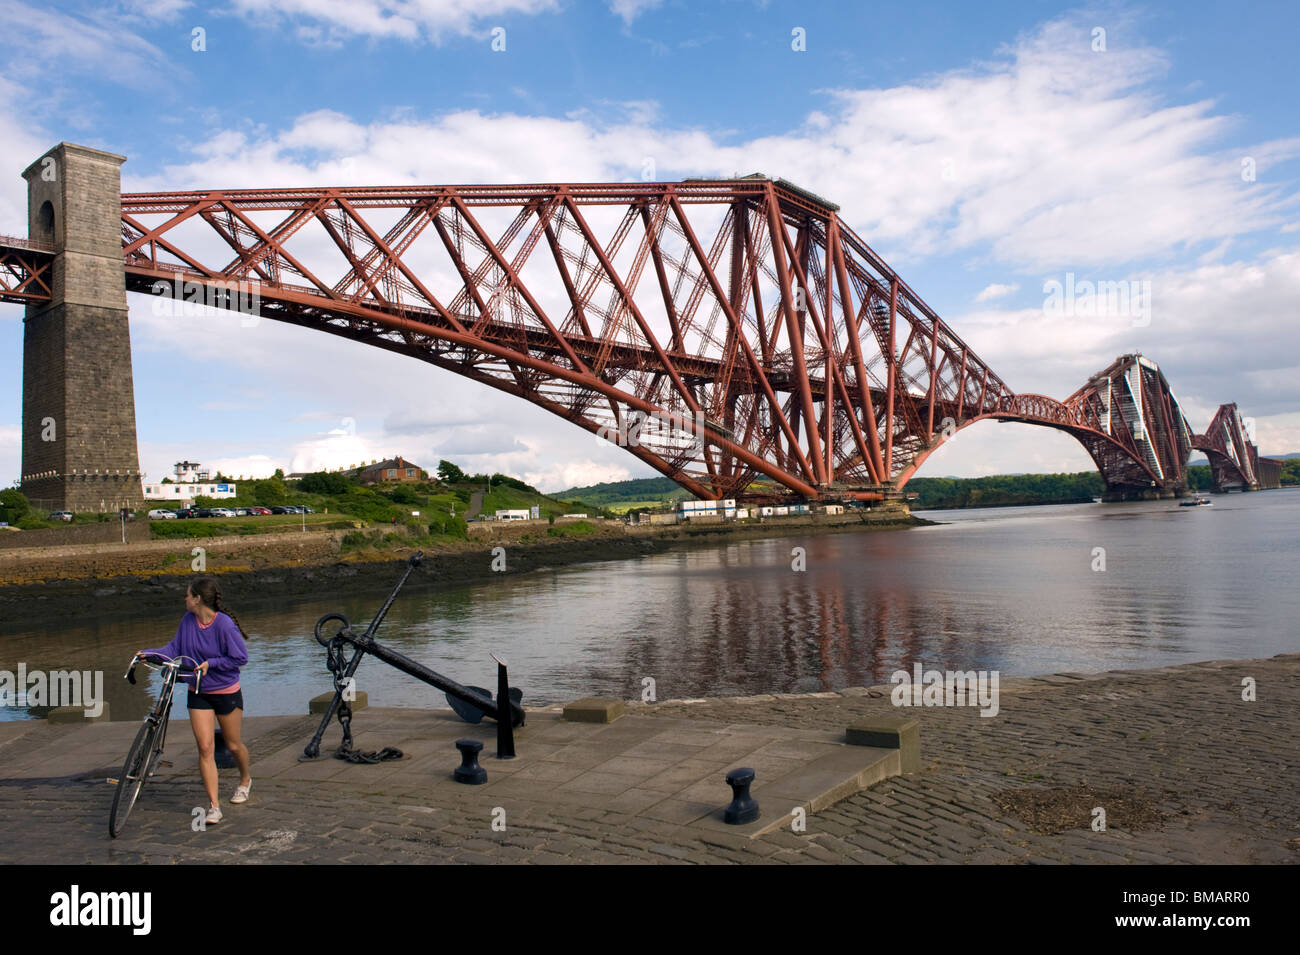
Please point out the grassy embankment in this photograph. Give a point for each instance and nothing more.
(376, 518)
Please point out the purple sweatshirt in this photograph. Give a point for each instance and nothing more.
(219, 643)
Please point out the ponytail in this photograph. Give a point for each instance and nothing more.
(233, 618)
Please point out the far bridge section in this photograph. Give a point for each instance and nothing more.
(1235, 464)
(1126, 417)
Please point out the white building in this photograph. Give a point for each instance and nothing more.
(186, 493)
(513, 515)
(725, 508)
(191, 472)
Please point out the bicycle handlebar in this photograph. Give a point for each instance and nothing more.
(173, 663)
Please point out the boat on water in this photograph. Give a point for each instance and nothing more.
(1195, 502)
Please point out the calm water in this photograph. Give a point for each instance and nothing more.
(1010, 589)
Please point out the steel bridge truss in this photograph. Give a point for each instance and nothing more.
(733, 334)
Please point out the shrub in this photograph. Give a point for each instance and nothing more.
(324, 482)
(13, 505)
(402, 494)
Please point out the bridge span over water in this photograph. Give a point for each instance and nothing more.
(734, 334)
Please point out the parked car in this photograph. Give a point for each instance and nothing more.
(222, 512)
(309, 510)
(259, 510)
(61, 516)
(162, 514)
(204, 512)
(280, 510)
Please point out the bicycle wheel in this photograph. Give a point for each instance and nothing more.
(134, 772)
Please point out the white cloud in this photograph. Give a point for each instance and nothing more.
(11, 447)
(24, 142)
(561, 477)
(163, 11)
(95, 43)
(996, 291)
(629, 10)
(331, 21)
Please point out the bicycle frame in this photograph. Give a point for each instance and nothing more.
(147, 749)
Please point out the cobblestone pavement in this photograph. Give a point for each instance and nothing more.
(1222, 771)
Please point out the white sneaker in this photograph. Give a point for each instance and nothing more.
(241, 793)
(214, 815)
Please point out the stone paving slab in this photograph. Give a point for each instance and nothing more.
(1221, 769)
(668, 771)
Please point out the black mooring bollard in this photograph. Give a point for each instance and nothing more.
(505, 714)
(225, 758)
(743, 808)
(469, 771)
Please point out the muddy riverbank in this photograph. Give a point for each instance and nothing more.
(75, 584)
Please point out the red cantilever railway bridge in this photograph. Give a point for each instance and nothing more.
(748, 342)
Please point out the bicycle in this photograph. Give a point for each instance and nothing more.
(143, 757)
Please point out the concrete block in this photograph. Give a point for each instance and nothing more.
(890, 732)
(76, 714)
(319, 704)
(594, 709)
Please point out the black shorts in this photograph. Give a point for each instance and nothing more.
(223, 703)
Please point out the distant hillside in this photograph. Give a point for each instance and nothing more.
(622, 495)
(1005, 489)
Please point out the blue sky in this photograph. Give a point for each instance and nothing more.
(983, 150)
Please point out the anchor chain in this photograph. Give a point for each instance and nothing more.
(337, 663)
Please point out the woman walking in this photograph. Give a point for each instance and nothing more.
(210, 634)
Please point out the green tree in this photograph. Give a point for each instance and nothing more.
(448, 473)
(269, 491)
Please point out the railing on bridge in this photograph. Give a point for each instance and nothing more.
(25, 270)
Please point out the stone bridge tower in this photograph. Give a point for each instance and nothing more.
(79, 441)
